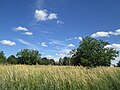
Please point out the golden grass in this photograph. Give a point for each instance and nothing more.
(36, 77)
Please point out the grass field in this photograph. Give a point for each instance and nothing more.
(25, 77)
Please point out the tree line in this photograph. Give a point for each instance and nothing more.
(26, 56)
(90, 52)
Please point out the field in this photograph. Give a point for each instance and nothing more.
(26, 77)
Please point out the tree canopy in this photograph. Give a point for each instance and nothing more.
(92, 52)
(27, 56)
(2, 58)
(12, 59)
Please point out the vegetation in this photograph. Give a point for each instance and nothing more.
(65, 61)
(118, 64)
(27, 56)
(12, 60)
(2, 58)
(30, 77)
(91, 53)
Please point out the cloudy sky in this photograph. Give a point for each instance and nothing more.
(54, 27)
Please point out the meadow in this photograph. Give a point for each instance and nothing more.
(37, 77)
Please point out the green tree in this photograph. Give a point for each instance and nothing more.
(27, 56)
(66, 61)
(45, 61)
(12, 60)
(60, 61)
(52, 62)
(2, 58)
(92, 52)
(118, 64)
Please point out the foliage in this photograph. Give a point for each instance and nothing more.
(45, 61)
(12, 60)
(118, 64)
(65, 61)
(30, 77)
(27, 56)
(2, 58)
(92, 52)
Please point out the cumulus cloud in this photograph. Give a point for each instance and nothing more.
(100, 34)
(106, 34)
(43, 44)
(117, 32)
(43, 15)
(24, 42)
(52, 16)
(8, 42)
(28, 33)
(71, 45)
(114, 45)
(19, 28)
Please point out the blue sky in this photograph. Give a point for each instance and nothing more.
(54, 27)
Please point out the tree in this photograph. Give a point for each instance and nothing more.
(12, 60)
(118, 64)
(60, 61)
(92, 52)
(65, 61)
(52, 62)
(27, 56)
(2, 58)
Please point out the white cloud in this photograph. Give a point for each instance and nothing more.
(115, 46)
(100, 34)
(19, 28)
(106, 34)
(43, 44)
(8, 42)
(63, 53)
(52, 16)
(71, 45)
(60, 22)
(28, 33)
(24, 42)
(117, 32)
(43, 15)
(117, 58)
(80, 38)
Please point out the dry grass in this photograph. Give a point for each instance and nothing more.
(25, 77)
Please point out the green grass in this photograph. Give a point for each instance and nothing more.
(25, 77)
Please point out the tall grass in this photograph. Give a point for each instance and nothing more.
(25, 77)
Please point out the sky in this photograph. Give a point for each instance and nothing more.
(54, 27)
